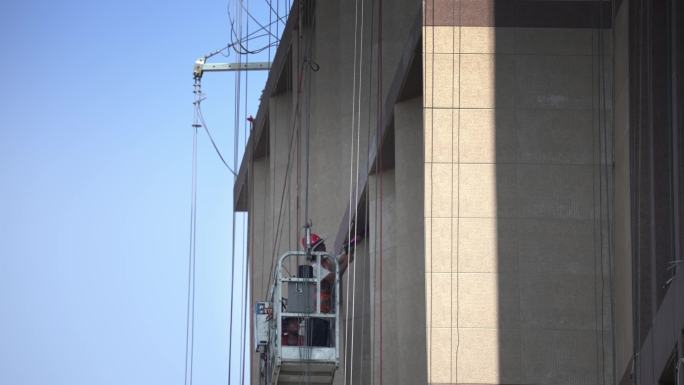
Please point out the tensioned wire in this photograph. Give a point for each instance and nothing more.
(432, 119)
(453, 372)
(366, 276)
(190, 312)
(245, 303)
(287, 170)
(596, 216)
(351, 165)
(277, 229)
(236, 135)
(601, 151)
(379, 129)
(609, 182)
(307, 58)
(375, 343)
(199, 119)
(611, 193)
(356, 194)
(605, 214)
(603, 179)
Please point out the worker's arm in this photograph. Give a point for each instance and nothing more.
(344, 259)
(343, 262)
(347, 255)
(348, 252)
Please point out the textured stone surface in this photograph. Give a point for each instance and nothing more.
(523, 264)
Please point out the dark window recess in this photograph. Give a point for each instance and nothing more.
(669, 374)
(677, 26)
(656, 151)
(662, 153)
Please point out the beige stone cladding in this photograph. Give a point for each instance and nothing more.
(516, 286)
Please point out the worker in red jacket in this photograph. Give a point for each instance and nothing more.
(321, 327)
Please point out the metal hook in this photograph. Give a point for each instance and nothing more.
(312, 64)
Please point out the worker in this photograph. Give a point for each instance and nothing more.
(321, 327)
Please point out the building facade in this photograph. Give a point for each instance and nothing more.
(515, 170)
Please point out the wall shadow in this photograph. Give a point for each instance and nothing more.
(549, 114)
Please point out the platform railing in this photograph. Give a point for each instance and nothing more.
(306, 355)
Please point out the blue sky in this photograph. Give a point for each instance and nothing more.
(95, 169)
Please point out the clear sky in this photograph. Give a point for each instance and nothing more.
(95, 171)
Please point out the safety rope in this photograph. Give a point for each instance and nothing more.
(351, 171)
(250, 231)
(366, 277)
(611, 196)
(236, 123)
(190, 311)
(456, 161)
(245, 305)
(198, 121)
(596, 215)
(241, 44)
(305, 38)
(356, 192)
(351, 155)
(637, 73)
(277, 230)
(603, 214)
(604, 176)
(380, 128)
(432, 119)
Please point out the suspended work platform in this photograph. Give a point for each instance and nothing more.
(297, 331)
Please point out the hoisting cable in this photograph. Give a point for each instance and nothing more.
(595, 160)
(428, 180)
(293, 125)
(603, 180)
(366, 278)
(255, 20)
(611, 199)
(190, 311)
(268, 31)
(245, 304)
(251, 36)
(307, 21)
(309, 63)
(285, 183)
(308, 59)
(272, 10)
(236, 123)
(213, 143)
(243, 50)
(356, 193)
(351, 171)
(380, 127)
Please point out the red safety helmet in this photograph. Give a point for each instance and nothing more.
(316, 241)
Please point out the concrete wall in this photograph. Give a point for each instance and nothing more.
(623, 249)
(411, 363)
(516, 272)
(485, 258)
(396, 244)
(312, 128)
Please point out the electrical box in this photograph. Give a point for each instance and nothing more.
(263, 313)
(301, 297)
